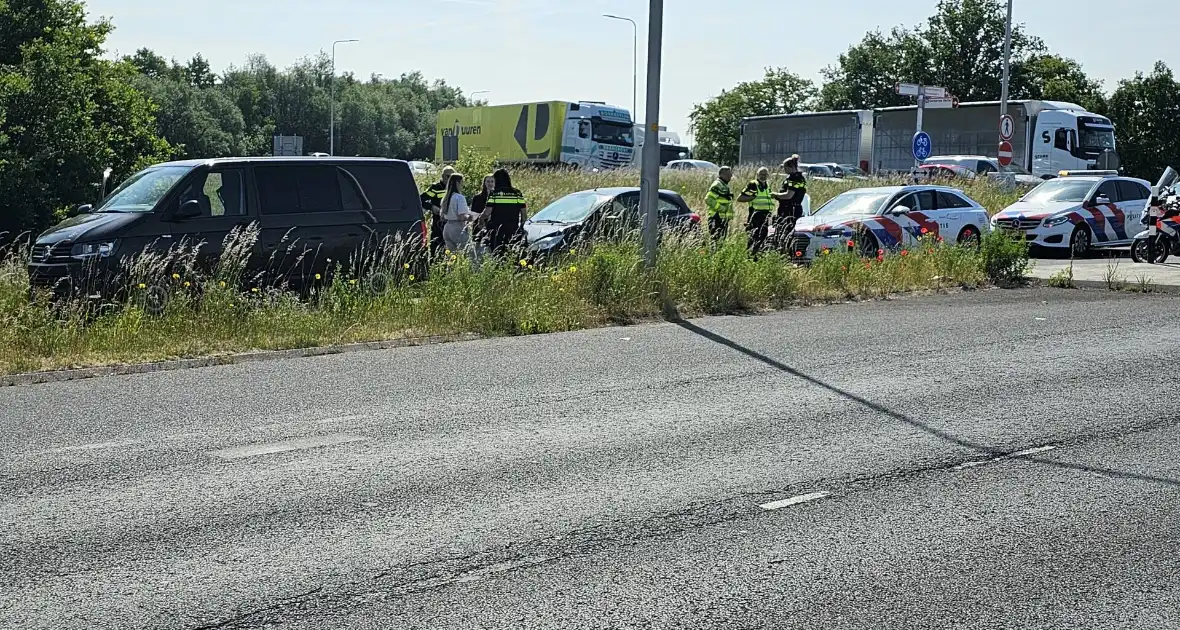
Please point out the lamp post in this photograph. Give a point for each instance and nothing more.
(634, 61)
(649, 185)
(1007, 54)
(332, 107)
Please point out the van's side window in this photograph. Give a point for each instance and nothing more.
(388, 188)
(298, 189)
(220, 193)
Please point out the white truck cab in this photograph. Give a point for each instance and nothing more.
(597, 136)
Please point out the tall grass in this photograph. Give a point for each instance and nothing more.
(174, 309)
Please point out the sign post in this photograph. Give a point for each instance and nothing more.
(1007, 126)
(1004, 154)
(931, 95)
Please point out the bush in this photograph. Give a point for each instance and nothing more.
(1005, 259)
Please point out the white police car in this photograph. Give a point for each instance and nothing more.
(889, 217)
(1078, 210)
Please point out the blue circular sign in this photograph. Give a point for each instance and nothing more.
(922, 145)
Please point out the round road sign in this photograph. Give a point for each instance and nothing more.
(1005, 153)
(1007, 126)
(922, 146)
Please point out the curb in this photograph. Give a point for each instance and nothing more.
(58, 376)
(1129, 286)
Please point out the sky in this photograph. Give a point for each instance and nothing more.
(534, 50)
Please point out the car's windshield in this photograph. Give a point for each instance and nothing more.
(855, 204)
(1062, 189)
(819, 171)
(613, 133)
(143, 190)
(571, 208)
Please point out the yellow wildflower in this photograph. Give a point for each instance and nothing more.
(176, 276)
(188, 284)
(411, 277)
(318, 277)
(573, 268)
(405, 265)
(142, 285)
(221, 284)
(254, 290)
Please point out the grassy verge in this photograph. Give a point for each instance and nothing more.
(605, 284)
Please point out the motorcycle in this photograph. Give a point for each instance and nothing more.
(1162, 219)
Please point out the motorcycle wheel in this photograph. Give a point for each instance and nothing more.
(1139, 250)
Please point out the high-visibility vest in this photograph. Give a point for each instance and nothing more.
(719, 200)
(762, 201)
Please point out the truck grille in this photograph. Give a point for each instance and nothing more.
(55, 253)
(1017, 224)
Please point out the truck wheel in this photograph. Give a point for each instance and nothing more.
(1079, 241)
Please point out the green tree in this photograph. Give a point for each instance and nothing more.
(716, 123)
(1146, 114)
(1055, 78)
(67, 113)
(961, 48)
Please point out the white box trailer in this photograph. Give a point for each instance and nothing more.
(1048, 136)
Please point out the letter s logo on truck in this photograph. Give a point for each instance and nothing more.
(1045, 137)
(540, 129)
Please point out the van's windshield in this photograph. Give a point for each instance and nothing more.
(143, 190)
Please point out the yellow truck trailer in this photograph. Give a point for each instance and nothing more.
(583, 134)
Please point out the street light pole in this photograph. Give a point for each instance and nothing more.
(649, 185)
(634, 62)
(1007, 54)
(332, 106)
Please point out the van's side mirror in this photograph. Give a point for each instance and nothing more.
(84, 209)
(187, 210)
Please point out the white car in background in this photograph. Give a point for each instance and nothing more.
(988, 167)
(418, 167)
(1078, 211)
(889, 217)
(693, 165)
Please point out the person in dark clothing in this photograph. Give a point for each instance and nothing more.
(506, 209)
(432, 204)
(758, 194)
(790, 200)
(479, 203)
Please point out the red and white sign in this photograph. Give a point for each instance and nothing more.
(1005, 153)
(1007, 126)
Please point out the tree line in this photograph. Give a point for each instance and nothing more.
(66, 112)
(961, 48)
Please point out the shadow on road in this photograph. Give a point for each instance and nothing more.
(900, 417)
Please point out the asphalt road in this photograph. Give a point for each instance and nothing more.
(613, 478)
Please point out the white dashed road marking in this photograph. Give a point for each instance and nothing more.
(298, 444)
(796, 500)
(1026, 452)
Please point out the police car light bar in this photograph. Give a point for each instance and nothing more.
(1076, 173)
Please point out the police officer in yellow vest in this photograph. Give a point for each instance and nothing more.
(719, 203)
(761, 199)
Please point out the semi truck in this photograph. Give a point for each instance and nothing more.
(1048, 136)
(670, 147)
(583, 134)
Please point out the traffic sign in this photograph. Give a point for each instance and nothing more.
(1005, 153)
(932, 91)
(929, 91)
(922, 146)
(940, 102)
(1007, 126)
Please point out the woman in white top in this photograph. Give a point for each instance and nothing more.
(457, 215)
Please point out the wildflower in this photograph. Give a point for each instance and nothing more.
(880, 252)
(221, 284)
(188, 284)
(446, 252)
(880, 258)
(411, 277)
(843, 267)
(531, 267)
(940, 239)
(904, 253)
(827, 251)
(353, 281)
(318, 277)
(851, 244)
(573, 268)
(254, 290)
(868, 265)
(142, 285)
(573, 252)
(405, 265)
(924, 230)
(524, 263)
(176, 276)
(798, 254)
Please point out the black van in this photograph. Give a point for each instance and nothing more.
(309, 210)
